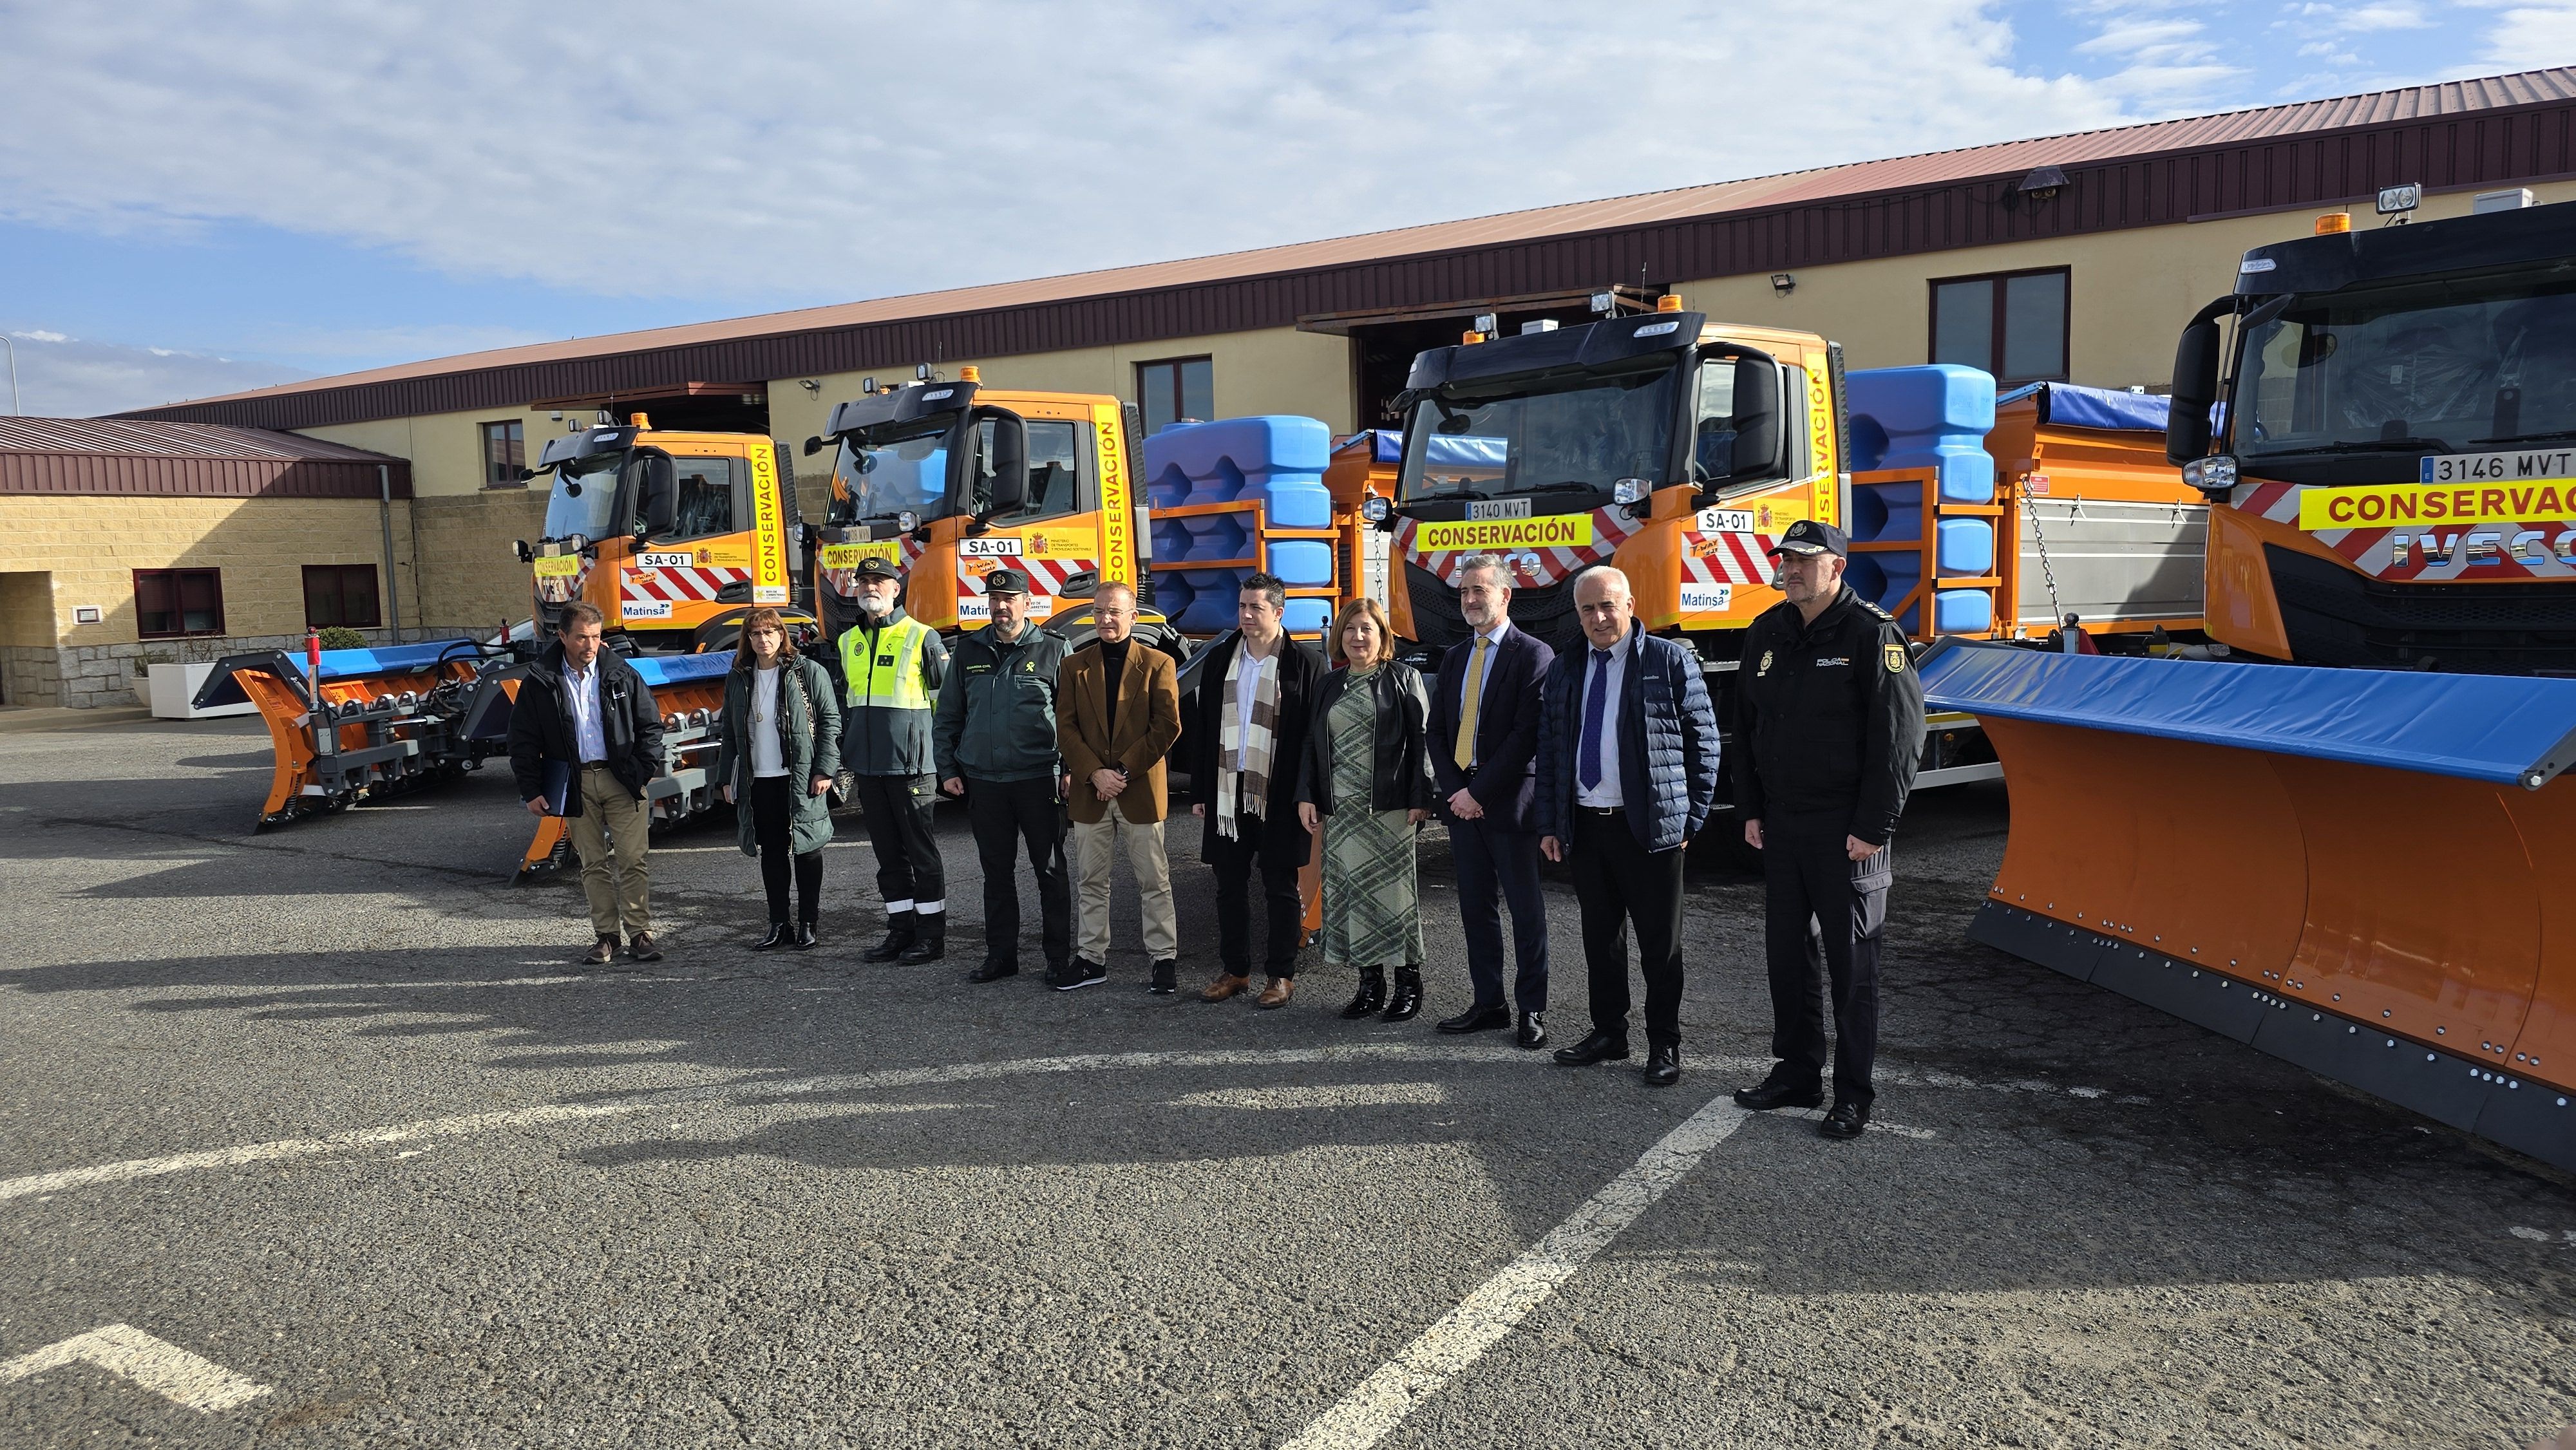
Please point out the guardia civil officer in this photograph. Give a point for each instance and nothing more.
(892, 666)
(1829, 727)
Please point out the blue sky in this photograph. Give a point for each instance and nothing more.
(259, 193)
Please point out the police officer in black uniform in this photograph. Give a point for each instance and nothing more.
(1829, 727)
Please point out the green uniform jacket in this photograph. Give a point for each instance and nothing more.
(997, 711)
(811, 712)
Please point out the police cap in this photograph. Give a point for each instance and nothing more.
(1006, 581)
(1807, 536)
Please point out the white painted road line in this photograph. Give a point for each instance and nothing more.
(157, 1365)
(1498, 1305)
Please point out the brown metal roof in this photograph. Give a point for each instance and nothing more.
(114, 456)
(2486, 131)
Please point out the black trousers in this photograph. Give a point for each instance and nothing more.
(1810, 878)
(898, 811)
(1008, 815)
(1617, 881)
(1235, 863)
(1495, 868)
(773, 807)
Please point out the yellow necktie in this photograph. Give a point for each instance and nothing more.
(1466, 751)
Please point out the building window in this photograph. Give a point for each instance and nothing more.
(1176, 389)
(342, 594)
(505, 452)
(171, 603)
(2012, 324)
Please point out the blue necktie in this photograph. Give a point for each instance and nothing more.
(1596, 696)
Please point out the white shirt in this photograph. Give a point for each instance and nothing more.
(766, 759)
(1247, 685)
(587, 738)
(1606, 793)
(1493, 651)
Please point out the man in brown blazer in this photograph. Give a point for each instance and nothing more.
(1118, 710)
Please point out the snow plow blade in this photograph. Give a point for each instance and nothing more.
(2354, 870)
(380, 721)
(689, 691)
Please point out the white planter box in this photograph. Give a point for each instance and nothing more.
(173, 686)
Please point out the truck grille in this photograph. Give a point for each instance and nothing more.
(2334, 616)
(1547, 613)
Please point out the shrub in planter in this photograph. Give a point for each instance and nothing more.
(342, 637)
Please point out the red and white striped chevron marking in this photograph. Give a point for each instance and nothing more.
(693, 585)
(2543, 543)
(1727, 558)
(845, 582)
(1532, 568)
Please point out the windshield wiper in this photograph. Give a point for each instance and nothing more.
(2556, 435)
(2359, 445)
(1572, 485)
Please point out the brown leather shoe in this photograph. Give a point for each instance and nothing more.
(601, 953)
(1225, 986)
(1278, 992)
(640, 948)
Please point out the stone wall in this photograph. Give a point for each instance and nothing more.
(30, 675)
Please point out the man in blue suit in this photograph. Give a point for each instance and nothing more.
(1627, 771)
(1483, 734)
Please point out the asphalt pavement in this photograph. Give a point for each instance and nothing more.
(326, 1119)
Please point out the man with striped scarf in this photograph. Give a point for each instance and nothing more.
(1253, 701)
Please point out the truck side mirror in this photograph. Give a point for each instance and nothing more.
(813, 446)
(1006, 466)
(661, 510)
(2195, 387)
(1757, 418)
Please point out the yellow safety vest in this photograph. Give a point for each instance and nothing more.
(889, 675)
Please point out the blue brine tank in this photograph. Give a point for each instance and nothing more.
(1277, 462)
(1934, 417)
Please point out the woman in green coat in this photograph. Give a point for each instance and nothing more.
(779, 746)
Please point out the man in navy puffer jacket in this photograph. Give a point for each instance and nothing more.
(1627, 771)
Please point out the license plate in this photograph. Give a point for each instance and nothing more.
(1725, 521)
(2551, 464)
(988, 548)
(1501, 508)
(666, 561)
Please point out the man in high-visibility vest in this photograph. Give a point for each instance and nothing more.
(892, 666)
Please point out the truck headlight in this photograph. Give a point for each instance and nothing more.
(1630, 490)
(2214, 475)
(1376, 509)
(907, 521)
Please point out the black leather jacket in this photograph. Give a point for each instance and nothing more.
(1401, 779)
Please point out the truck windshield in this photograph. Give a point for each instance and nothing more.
(584, 497)
(2413, 368)
(1590, 434)
(879, 478)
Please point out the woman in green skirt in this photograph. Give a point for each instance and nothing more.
(1365, 785)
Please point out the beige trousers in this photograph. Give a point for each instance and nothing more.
(1095, 854)
(612, 831)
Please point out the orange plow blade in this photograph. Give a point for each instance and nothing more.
(2354, 870)
(365, 724)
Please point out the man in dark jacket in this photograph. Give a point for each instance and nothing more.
(1484, 751)
(995, 741)
(1829, 730)
(1249, 733)
(892, 667)
(1627, 771)
(585, 726)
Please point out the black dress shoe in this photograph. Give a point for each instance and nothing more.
(1845, 1122)
(780, 934)
(993, 971)
(1663, 1064)
(805, 937)
(1533, 1034)
(1478, 1019)
(1598, 1046)
(1406, 1000)
(1166, 979)
(1774, 1093)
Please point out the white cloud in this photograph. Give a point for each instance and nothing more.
(2526, 36)
(2348, 19)
(66, 377)
(840, 150)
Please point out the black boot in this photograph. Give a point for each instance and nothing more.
(780, 934)
(929, 941)
(901, 929)
(805, 937)
(1407, 999)
(1166, 979)
(1371, 996)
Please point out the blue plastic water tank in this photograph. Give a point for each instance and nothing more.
(1965, 546)
(1962, 611)
(1884, 579)
(1277, 460)
(1935, 416)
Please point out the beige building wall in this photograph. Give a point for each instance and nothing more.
(445, 449)
(2128, 293)
(89, 546)
(471, 577)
